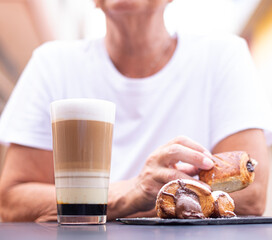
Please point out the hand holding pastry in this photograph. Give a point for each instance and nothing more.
(232, 171)
(160, 168)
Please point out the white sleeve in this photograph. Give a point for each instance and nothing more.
(238, 100)
(26, 118)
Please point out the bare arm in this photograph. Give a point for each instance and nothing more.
(27, 191)
(136, 197)
(28, 194)
(252, 200)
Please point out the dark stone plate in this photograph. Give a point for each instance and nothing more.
(207, 221)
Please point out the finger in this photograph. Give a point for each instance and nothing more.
(187, 142)
(187, 168)
(164, 175)
(174, 153)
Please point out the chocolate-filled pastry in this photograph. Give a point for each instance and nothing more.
(184, 199)
(223, 205)
(232, 171)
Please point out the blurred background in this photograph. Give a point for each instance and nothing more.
(25, 24)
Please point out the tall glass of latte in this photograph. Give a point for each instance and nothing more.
(82, 141)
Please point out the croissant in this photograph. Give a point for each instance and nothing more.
(232, 171)
(184, 199)
(188, 199)
(223, 205)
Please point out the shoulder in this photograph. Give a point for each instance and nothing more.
(65, 49)
(215, 39)
(214, 43)
(227, 43)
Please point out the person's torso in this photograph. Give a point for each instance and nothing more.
(150, 111)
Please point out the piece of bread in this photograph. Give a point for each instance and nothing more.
(184, 199)
(232, 171)
(223, 205)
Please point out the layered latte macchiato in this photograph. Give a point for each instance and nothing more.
(82, 139)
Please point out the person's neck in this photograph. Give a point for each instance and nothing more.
(139, 47)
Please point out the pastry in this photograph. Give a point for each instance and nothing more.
(189, 199)
(232, 171)
(184, 199)
(223, 205)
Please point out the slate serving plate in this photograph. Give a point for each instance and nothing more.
(208, 221)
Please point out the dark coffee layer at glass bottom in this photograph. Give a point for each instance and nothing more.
(82, 209)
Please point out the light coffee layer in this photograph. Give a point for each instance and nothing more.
(60, 174)
(83, 109)
(82, 145)
(82, 195)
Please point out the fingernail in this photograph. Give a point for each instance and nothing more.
(208, 163)
(207, 153)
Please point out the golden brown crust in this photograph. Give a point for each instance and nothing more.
(230, 173)
(223, 205)
(166, 203)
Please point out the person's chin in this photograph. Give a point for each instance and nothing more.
(125, 6)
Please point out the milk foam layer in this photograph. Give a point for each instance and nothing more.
(83, 109)
(82, 187)
(82, 195)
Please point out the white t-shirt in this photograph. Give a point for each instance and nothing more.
(207, 91)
